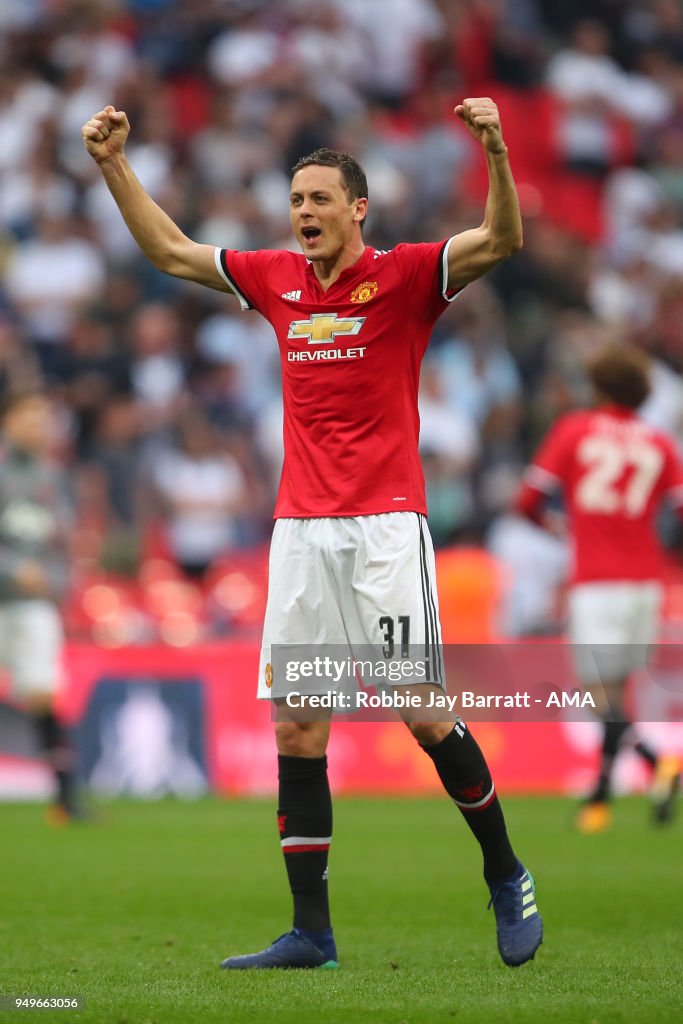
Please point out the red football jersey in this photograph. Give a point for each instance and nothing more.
(614, 469)
(350, 370)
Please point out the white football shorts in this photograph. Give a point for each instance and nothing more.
(352, 582)
(31, 641)
(611, 626)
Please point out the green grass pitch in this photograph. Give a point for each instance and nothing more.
(134, 914)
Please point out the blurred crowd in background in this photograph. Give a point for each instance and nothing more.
(166, 398)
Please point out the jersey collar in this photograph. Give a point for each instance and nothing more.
(363, 260)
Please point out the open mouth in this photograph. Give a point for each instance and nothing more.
(311, 233)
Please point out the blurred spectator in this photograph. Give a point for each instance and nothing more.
(19, 369)
(535, 568)
(226, 153)
(26, 102)
(666, 169)
(330, 51)
(92, 372)
(36, 528)
(623, 295)
(202, 493)
(246, 52)
(157, 367)
(113, 459)
(400, 33)
(449, 446)
(663, 408)
(588, 83)
(94, 43)
(270, 446)
(37, 189)
(584, 70)
(248, 346)
(478, 374)
(517, 43)
(50, 278)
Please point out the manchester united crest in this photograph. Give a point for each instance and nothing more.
(364, 292)
(269, 675)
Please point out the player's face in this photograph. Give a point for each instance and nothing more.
(323, 219)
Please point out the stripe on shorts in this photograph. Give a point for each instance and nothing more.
(432, 651)
(424, 601)
(305, 844)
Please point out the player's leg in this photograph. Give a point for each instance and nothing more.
(305, 826)
(596, 632)
(301, 612)
(666, 768)
(666, 786)
(403, 592)
(601, 669)
(60, 755)
(35, 646)
(466, 777)
(611, 627)
(595, 814)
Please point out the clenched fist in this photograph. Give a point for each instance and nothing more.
(481, 117)
(104, 135)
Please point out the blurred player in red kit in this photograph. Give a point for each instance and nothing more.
(614, 470)
(351, 558)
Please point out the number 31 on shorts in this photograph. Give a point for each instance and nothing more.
(388, 626)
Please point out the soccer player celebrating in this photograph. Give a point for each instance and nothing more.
(614, 470)
(351, 555)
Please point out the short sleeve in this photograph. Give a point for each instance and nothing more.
(246, 274)
(551, 464)
(424, 268)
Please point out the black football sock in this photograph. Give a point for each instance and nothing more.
(613, 733)
(647, 753)
(466, 778)
(59, 751)
(305, 822)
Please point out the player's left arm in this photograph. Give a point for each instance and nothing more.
(473, 252)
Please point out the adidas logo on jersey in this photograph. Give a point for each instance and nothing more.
(294, 296)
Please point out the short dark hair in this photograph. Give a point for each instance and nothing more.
(352, 174)
(621, 374)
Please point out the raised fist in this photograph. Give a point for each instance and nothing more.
(481, 117)
(105, 134)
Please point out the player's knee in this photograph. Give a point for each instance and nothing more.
(301, 739)
(429, 733)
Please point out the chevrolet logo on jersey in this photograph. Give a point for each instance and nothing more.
(324, 327)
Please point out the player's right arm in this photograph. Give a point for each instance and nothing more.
(546, 475)
(161, 240)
